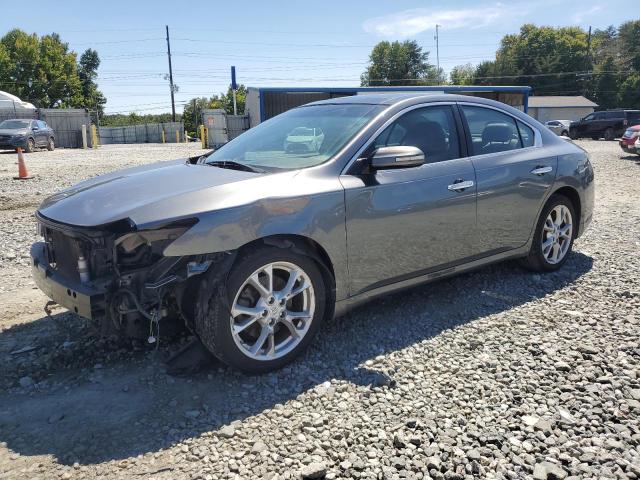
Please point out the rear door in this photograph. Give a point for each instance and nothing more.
(513, 176)
(405, 222)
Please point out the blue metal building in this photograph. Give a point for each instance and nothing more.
(263, 103)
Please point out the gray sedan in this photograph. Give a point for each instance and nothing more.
(252, 247)
(26, 134)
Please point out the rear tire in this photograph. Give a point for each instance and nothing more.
(51, 144)
(595, 137)
(269, 335)
(564, 133)
(553, 236)
(608, 134)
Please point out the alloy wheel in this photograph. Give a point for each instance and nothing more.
(272, 311)
(557, 234)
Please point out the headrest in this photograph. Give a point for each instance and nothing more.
(497, 133)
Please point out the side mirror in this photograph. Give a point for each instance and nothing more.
(397, 157)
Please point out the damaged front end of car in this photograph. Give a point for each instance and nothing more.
(118, 276)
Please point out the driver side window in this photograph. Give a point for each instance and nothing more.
(431, 129)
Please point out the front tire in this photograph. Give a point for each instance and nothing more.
(30, 146)
(553, 237)
(268, 311)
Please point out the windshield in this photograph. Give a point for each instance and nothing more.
(14, 124)
(275, 144)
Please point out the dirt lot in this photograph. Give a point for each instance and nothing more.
(494, 374)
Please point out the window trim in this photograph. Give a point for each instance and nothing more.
(461, 144)
(537, 135)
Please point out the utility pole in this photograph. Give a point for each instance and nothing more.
(589, 66)
(438, 51)
(173, 103)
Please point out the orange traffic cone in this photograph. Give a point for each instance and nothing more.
(23, 174)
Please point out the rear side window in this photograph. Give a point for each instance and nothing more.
(526, 134)
(431, 129)
(491, 131)
(633, 118)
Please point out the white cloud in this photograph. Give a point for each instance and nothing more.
(411, 22)
(580, 16)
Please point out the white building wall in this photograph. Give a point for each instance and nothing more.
(544, 114)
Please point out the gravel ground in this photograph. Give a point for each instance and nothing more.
(527, 376)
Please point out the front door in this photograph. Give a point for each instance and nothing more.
(406, 222)
(586, 124)
(38, 133)
(512, 178)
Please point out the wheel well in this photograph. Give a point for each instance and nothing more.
(300, 242)
(574, 197)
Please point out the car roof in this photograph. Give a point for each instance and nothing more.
(392, 98)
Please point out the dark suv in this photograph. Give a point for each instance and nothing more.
(608, 124)
(26, 134)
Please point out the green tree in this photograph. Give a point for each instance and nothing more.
(545, 58)
(606, 84)
(629, 35)
(226, 100)
(463, 74)
(223, 101)
(396, 63)
(122, 120)
(629, 92)
(41, 70)
(191, 114)
(88, 72)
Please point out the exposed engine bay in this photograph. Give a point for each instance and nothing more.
(119, 278)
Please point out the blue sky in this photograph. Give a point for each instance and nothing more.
(277, 43)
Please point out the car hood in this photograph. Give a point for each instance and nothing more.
(155, 193)
(12, 131)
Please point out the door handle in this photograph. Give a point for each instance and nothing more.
(541, 170)
(459, 186)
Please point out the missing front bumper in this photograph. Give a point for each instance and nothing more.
(85, 300)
